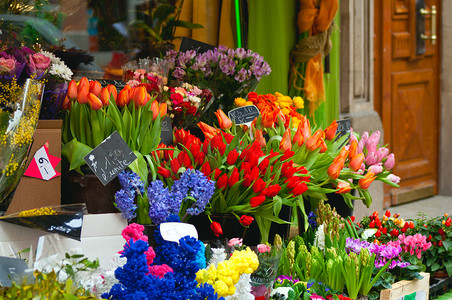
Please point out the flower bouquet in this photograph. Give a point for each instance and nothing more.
(19, 112)
(229, 73)
(21, 63)
(94, 113)
(149, 70)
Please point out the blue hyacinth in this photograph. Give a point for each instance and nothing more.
(124, 200)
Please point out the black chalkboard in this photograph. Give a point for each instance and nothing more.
(110, 158)
(12, 269)
(166, 135)
(343, 127)
(244, 114)
(190, 44)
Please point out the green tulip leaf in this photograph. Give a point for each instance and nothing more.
(74, 152)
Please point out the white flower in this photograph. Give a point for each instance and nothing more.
(242, 289)
(320, 238)
(282, 290)
(61, 70)
(218, 255)
(54, 59)
(194, 99)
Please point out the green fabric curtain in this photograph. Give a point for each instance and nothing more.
(273, 34)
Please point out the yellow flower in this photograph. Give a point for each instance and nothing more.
(240, 102)
(248, 103)
(285, 111)
(44, 211)
(298, 102)
(221, 288)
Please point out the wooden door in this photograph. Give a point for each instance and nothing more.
(406, 96)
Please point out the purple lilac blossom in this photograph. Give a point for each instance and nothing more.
(124, 202)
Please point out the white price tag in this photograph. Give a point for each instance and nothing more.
(173, 231)
(45, 167)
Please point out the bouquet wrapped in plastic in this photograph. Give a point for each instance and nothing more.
(19, 112)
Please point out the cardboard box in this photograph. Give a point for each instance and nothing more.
(408, 289)
(33, 192)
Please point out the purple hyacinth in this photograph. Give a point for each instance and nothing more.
(312, 220)
(131, 181)
(125, 204)
(160, 202)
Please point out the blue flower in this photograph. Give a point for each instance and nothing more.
(160, 202)
(124, 200)
(312, 220)
(131, 181)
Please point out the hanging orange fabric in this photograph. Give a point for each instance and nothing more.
(315, 16)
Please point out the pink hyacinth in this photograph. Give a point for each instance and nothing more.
(135, 232)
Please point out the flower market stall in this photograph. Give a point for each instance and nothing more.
(206, 214)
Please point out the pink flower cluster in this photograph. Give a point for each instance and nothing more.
(135, 232)
(412, 243)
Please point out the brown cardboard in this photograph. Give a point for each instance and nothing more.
(33, 192)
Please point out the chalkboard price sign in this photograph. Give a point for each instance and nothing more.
(119, 84)
(166, 135)
(110, 158)
(243, 115)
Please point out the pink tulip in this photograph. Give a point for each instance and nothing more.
(371, 158)
(382, 153)
(262, 248)
(352, 136)
(360, 147)
(393, 178)
(372, 141)
(377, 168)
(364, 137)
(390, 161)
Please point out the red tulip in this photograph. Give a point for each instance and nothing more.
(234, 177)
(247, 180)
(232, 157)
(330, 131)
(206, 170)
(300, 189)
(287, 154)
(165, 173)
(264, 164)
(72, 90)
(223, 120)
(199, 159)
(246, 220)
(94, 101)
(222, 181)
(216, 228)
(273, 190)
(217, 143)
(95, 87)
(216, 173)
(175, 166)
(257, 200)
(259, 186)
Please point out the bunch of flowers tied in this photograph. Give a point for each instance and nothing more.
(94, 113)
(229, 73)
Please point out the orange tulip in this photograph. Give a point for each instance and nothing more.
(353, 150)
(112, 91)
(305, 128)
(139, 96)
(316, 140)
(94, 101)
(72, 90)
(163, 110)
(269, 118)
(365, 182)
(123, 98)
(330, 131)
(155, 109)
(82, 94)
(105, 96)
(285, 143)
(298, 137)
(356, 162)
(223, 120)
(343, 187)
(95, 87)
(209, 131)
(83, 81)
(335, 169)
(66, 105)
(258, 136)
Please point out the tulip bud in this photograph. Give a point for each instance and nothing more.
(365, 182)
(155, 110)
(343, 187)
(82, 94)
(223, 120)
(257, 200)
(377, 168)
(356, 162)
(95, 87)
(246, 220)
(330, 131)
(94, 101)
(112, 91)
(286, 143)
(372, 141)
(72, 90)
(216, 228)
(390, 161)
(163, 109)
(66, 105)
(165, 173)
(105, 97)
(382, 153)
(123, 98)
(393, 178)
